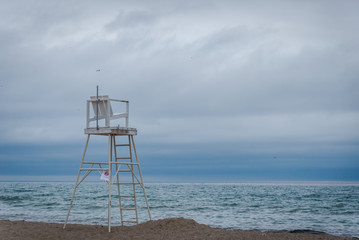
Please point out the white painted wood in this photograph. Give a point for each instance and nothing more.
(133, 177)
(117, 176)
(110, 180)
(87, 114)
(111, 130)
(77, 179)
(139, 170)
(105, 113)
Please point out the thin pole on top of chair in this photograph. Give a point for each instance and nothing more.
(97, 107)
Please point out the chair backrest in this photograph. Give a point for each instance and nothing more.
(102, 106)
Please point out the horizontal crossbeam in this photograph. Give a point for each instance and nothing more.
(125, 183)
(127, 196)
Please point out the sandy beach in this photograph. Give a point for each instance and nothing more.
(175, 228)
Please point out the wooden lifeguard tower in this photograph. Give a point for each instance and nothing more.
(119, 171)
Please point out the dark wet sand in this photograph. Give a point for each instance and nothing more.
(175, 228)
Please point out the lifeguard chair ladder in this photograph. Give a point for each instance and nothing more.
(103, 112)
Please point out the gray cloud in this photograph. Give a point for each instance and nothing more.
(131, 20)
(202, 72)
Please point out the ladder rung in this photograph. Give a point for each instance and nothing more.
(104, 163)
(127, 195)
(128, 163)
(100, 169)
(125, 183)
(122, 145)
(129, 221)
(123, 158)
(128, 209)
(92, 169)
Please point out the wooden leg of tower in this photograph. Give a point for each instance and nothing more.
(142, 184)
(117, 178)
(77, 180)
(133, 178)
(110, 180)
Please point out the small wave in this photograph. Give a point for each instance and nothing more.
(254, 206)
(230, 204)
(14, 198)
(44, 195)
(22, 190)
(46, 204)
(198, 209)
(91, 207)
(340, 205)
(312, 196)
(158, 207)
(306, 231)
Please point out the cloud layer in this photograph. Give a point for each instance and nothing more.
(281, 74)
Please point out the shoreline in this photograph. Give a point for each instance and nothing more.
(171, 228)
(72, 179)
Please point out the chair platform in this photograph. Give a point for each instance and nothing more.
(111, 131)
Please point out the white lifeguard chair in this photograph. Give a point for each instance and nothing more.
(108, 124)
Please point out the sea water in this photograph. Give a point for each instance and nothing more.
(328, 208)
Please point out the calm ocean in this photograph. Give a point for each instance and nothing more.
(329, 208)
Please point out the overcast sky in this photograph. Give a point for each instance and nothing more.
(218, 90)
